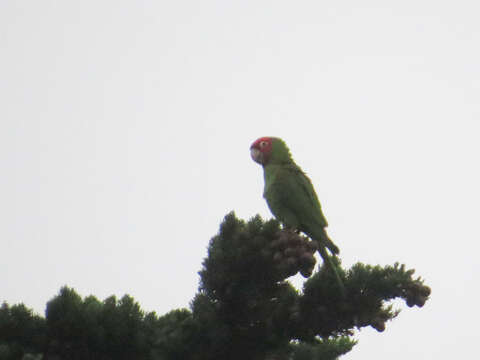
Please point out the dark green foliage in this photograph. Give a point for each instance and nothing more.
(245, 286)
(368, 289)
(244, 289)
(21, 332)
(245, 308)
(176, 336)
(90, 329)
(322, 349)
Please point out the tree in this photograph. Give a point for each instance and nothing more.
(245, 308)
(89, 329)
(21, 332)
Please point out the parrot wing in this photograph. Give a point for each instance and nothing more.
(292, 199)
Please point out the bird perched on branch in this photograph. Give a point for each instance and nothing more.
(290, 195)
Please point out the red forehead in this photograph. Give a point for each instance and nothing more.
(258, 141)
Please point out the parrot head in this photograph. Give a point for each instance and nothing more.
(267, 150)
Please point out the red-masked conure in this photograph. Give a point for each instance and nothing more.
(290, 194)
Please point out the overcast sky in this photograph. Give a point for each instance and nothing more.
(125, 129)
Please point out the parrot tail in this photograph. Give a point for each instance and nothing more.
(327, 260)
(327, 242)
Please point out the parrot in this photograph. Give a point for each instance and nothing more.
(290, 195)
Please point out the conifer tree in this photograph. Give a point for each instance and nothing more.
(245, 308)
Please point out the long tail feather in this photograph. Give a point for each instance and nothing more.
(327, 242)
(327, 260)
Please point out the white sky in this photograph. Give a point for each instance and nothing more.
(125, 129)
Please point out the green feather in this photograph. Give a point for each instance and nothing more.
(291, 197)
(292, 200)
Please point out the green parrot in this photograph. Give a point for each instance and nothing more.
(290, 194)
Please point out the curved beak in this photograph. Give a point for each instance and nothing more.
(256, 155)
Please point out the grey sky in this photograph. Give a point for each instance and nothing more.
(125, 130)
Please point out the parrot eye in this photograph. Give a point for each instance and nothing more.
(263, 144)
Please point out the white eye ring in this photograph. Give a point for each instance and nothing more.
(263, 144)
